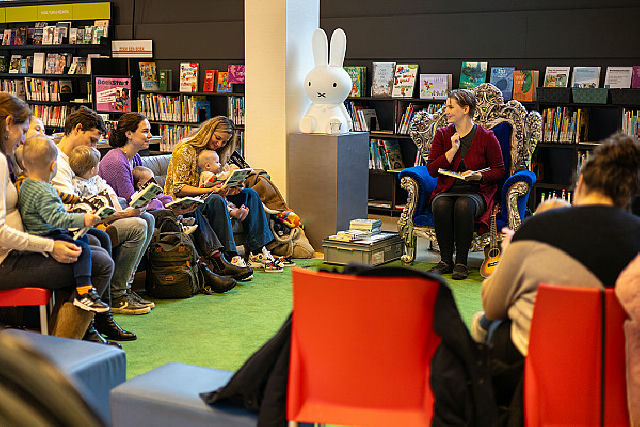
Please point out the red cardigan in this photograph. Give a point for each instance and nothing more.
(484, 152)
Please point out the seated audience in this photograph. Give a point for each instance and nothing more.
(587, 245)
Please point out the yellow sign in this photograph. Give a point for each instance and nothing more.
(3, 15)
(56, 12)
(91, 11)
(22, 14)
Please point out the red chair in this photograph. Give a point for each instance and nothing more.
(361, 349)
(563, 370)
(23, 297)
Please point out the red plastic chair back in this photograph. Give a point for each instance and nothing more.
(23, 297)
(563, 370)
(361, 349)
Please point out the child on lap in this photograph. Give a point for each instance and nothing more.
(43, 213)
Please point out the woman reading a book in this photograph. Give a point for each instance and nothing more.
(459, 204)
(22, 255)
(183, 178)
(132, 134)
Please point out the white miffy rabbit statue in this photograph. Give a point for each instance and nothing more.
(327, 85)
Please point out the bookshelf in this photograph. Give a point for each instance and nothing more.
(173, 115)
(53, 95)
(393, 116)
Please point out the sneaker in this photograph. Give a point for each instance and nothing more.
(127, 305)
(478, 333)
(460, 272)
(442, 268)
(90, 301)
(137, 298)
(262, 262)
(269, 257)
(286, 261)
(272, 267)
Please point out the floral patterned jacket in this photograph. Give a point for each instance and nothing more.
(183, 169)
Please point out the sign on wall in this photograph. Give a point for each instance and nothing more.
(132, 48)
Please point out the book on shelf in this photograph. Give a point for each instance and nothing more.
(73, 35)
(393, 153)
(472, 74)
(4, 64)
(188, 77)
(65, 86)
(618, 77)
(405, 121)
(525, 83)
(184, 202)
(79, 35)
(14, 64)
(585, 77)
(557, 76)
(635, 78)
(502, 78)
(458, 175)
(38, 63)
(366, 224)
(385, 154)
(404, 80)
(382, 84)
(564, 125)
(435, 86)
(24, 69)
(48, 33)
(165, 80)
(61, 33)
(21, 36)
(210, 80)
(101, 29)
(141, 198)
(88, 34)
(358, 80)
(6, 37)
(222, 82)
(148, 77)
(203, 109)
(236, 74)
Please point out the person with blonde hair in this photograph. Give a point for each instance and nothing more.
(183, 176)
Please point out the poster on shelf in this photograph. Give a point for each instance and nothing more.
(132, 48)
(113, 94)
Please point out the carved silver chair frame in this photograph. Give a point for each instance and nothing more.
(491, 110)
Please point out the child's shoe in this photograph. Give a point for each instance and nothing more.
(286, 261)
(268, 256)
(90, 301)
(262, 262)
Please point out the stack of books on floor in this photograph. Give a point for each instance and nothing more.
(359, 229)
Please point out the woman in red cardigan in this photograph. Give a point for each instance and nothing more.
(457, 204)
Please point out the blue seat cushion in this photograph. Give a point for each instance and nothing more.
(169, 396)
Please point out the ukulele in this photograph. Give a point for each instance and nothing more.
(492, 250)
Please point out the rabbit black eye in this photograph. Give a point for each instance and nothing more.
(309, 83)
(335, 85)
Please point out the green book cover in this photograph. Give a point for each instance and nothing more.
(356, 79)
(164, 80)
(472, 74)
(3, 64)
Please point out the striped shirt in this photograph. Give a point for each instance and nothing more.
(42, 209)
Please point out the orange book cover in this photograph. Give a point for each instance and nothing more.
(223, 82)
(524, 85)
(210, 80)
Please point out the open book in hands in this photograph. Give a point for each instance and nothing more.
(458, 175)
(103, 213)
(142, 197)
(184, 202)
(237, 177)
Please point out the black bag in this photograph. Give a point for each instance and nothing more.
(172, 268)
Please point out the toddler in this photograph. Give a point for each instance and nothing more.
(43, 213)
(86, 182)
(210, 175)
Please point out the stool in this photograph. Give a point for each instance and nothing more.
(24, 297)
(93, 368)
(169, 396)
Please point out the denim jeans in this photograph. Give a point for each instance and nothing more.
(134, 235)
(256, 224)
(82, 266)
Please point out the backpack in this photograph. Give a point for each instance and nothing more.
(172, 268)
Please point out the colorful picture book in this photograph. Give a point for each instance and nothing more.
(385, 154)
(358, 81)
(618, 77)
(184, 202)
(113, 94)
(188, 77)
(404, 80)
(141, 198)
(435, 86)
(557, 77)
(585, 77)
(472, 74)
(14, 64)
(210, 80)
(236, 74)
(148, 77)
(502, 78)
(382, 84)
(525, 83)
(222, 82)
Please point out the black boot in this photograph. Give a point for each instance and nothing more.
(219, 284)
(93, 335)
(222, 267)
(107, 326)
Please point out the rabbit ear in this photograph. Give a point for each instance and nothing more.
(338, 48)
(320, 47)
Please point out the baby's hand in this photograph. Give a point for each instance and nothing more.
(222, 176)
(90, 220)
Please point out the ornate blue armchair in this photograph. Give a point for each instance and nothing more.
(518, 132)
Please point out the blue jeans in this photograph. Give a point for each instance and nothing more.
(134, 235)
(255, 224)
(82, 266)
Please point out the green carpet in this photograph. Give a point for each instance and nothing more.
(223, 330)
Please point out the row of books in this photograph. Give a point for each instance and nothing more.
(363, 116)
(385, 154)
(240, 141)
(564, 125)
(51, 115)
(60, 33)
(402, 127)
(45, 89)
(399, 80)
(631, 122)
(181, 108)
(172, 134)
(214, 80)
(235, 107)
(583, 157)
(53, 63)
(564, 195)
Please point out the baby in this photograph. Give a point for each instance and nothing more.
(209, 164)
(86, 182)
(43, 213)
